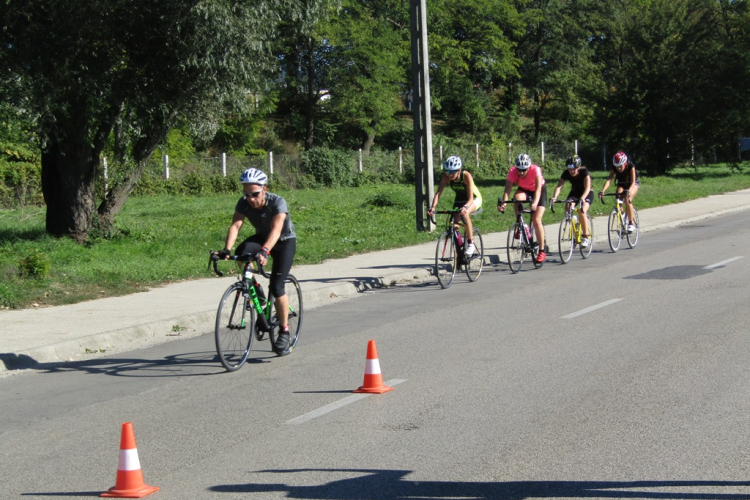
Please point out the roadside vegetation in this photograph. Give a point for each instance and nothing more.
(166, 238)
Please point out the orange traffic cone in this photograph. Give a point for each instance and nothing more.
(129, 482)
(373, 383)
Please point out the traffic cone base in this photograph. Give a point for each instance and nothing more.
(373, 383)
(129, 482)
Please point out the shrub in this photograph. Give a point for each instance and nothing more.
(35, 265)
(329, 167)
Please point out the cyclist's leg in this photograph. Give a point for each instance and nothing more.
(536, 218)
(629, 203)
(584, 210)
(283, 256)
(251, 245)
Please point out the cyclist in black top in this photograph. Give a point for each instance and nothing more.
(468, 198)
(580, 187)
(624, 171)
(274, 236)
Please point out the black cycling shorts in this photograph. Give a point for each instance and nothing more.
(542, 195)
(282, 254)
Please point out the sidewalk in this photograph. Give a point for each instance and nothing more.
(33, 337)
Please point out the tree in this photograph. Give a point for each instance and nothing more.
(126, 71)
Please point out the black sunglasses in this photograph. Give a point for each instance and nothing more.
(254, 194)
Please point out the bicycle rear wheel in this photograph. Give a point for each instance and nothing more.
(234, 328)
(565, 240)
(475, 263)
(614, 230)
(633, 237)
(294, 294)
(515, 248)
(585, 252)
(446, 260)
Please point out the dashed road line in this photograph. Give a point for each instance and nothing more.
(722, 263)
(336, 405)
(592, 308)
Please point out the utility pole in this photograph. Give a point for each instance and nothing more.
(423, 183)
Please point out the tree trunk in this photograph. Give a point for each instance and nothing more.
(369, 141)
(68, 185)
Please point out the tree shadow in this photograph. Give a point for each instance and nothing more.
(391, 485)
(14, 234)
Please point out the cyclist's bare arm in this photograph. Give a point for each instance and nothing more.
(234, 230)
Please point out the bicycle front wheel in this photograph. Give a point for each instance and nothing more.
(585, 252)
(294, 319)
(446, 258)
(614, 230)
(633, 237)
(234, 327)
(565, 240)
(515, 248)
(475, 263)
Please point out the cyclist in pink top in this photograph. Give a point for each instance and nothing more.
(531, 187)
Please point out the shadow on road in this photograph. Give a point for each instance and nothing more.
(391, 485)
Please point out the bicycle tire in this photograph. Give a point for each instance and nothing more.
(515, 248)
(633, 237)
(233, 332)
(565, 241)
(296, 309)
(446, 260)
(586, 252)
(475, 263)
(614, 230)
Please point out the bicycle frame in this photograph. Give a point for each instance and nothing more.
(526, 238)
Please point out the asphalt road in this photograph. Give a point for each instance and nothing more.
(623, 376)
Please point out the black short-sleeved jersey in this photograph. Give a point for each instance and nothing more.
(261, 218)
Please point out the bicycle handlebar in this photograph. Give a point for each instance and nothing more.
(622, 193)
(520, 204)
(213, 257)
(571, 199)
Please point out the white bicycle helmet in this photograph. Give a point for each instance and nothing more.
(452, 164)
(523, 161)
(620, 159)
(253, 176)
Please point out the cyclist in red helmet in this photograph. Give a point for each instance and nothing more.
(624, 171)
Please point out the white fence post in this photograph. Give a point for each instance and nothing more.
(360, 160)
(477, 155)
(166, 166)
(542, 152)
(510, 153)
(270, 163)
(223, 164)
(104, 172)
(576, 146)
(400, 161)
(441, 154)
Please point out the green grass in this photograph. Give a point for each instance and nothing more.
(166, 238)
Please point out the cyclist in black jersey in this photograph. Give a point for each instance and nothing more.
(468, 199)
(626, 175)
(580, 187)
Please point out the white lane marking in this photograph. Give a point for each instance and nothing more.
(592, 308)
(336, 405)
(722, 263)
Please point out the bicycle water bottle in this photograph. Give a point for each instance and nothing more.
(459, 239)
(260, 293)
(575, 219)
(528, 233)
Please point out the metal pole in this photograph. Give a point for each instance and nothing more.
(270, 163)
(400, 161)
(576, 146)
(424, 183)
(542, 152)
(360, 160)
(166, 166)
(223, 164)
(477, 155)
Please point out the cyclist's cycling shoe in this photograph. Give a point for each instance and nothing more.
(281, 346)
(585, 242)
(470, 250)
(631, 228)
(541, 257)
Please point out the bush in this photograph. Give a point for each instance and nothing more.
(20, 183)
(35, 265)
(329, 167)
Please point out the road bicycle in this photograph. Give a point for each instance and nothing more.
(450, 253)
(244, 312)
(571, 231)
(618, 223)
(521, 239)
